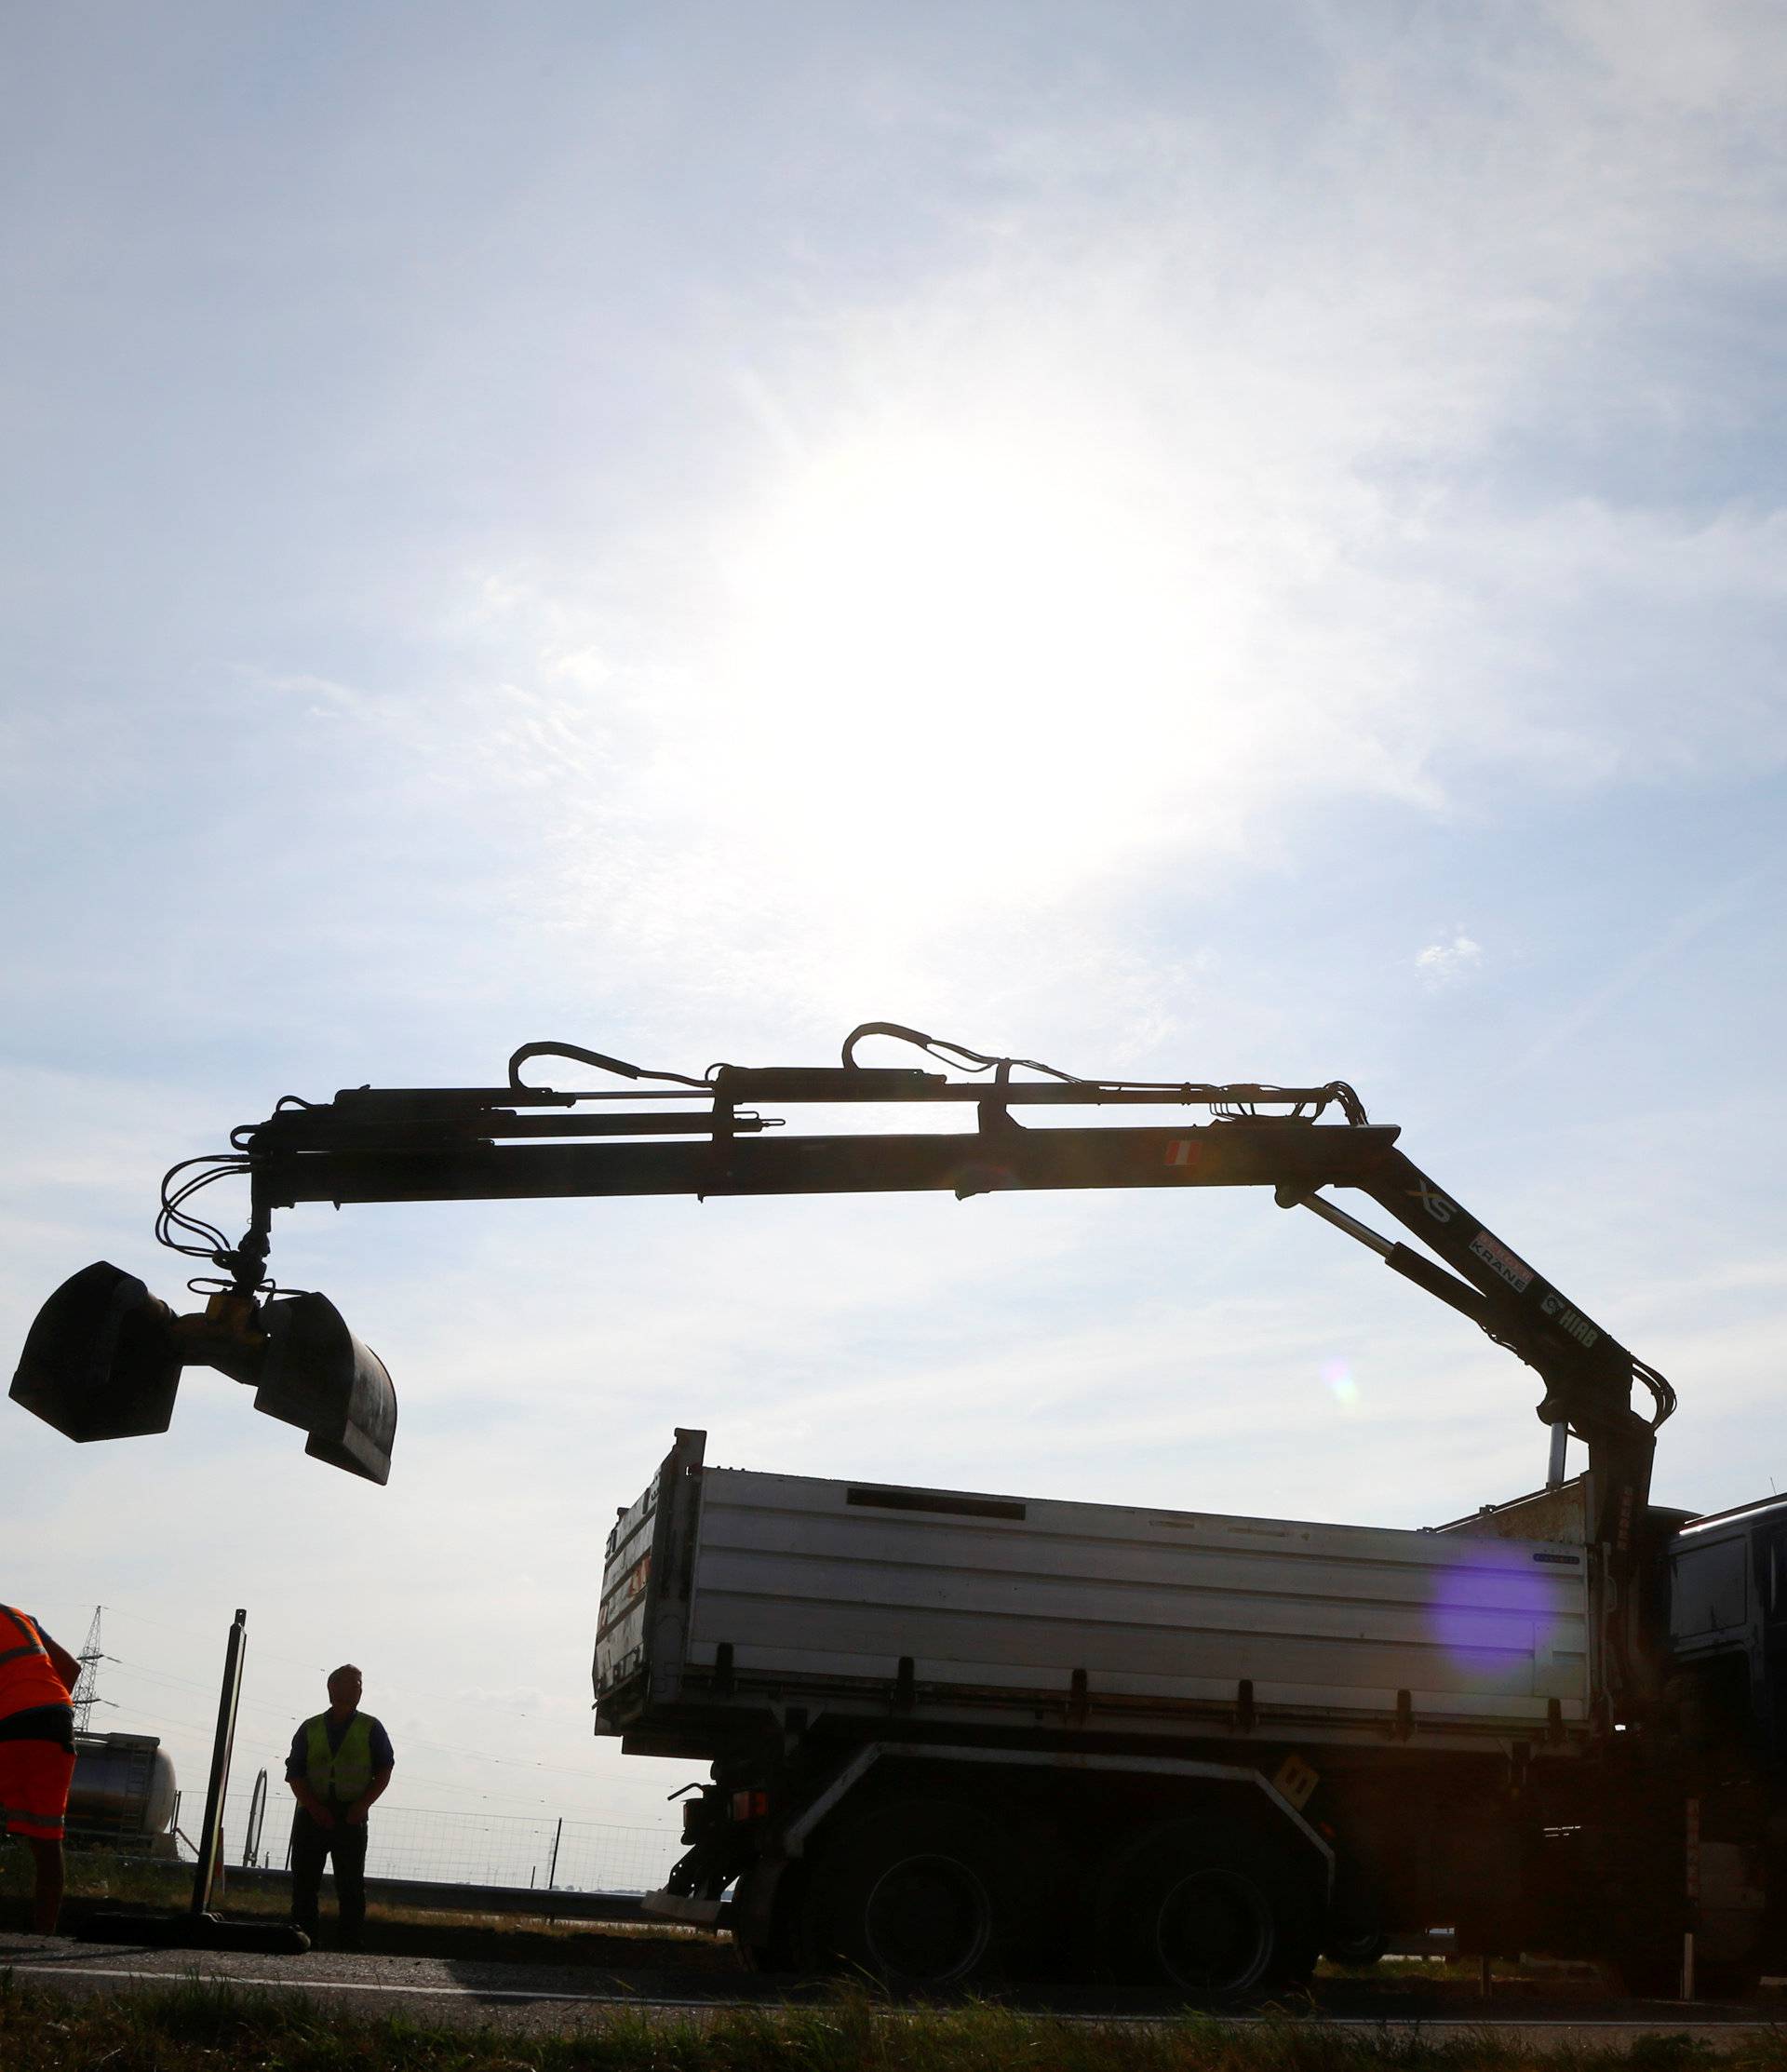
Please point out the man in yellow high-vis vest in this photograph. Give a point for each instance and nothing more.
(340, 1762)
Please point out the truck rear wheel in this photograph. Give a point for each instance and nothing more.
(1207, 1910)
(914, 1893)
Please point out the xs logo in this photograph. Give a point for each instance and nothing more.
(1434, 1202)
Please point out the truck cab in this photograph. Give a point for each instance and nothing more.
(1727, 1631)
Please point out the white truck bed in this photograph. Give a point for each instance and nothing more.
(729, 1587)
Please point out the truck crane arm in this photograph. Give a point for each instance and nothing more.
(85, 1362)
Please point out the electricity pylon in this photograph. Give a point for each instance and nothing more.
(86, 1689)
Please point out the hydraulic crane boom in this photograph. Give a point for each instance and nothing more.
(709, 1136)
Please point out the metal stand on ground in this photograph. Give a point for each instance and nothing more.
(210, 1833)
(198, 1928)
(257, 1821)
(552, 1868)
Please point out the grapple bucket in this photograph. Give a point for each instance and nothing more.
(100, 1361)
(316, 1374)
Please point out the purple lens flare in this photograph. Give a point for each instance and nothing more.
(1495, 1610)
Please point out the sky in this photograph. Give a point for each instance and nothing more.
(1186, 541)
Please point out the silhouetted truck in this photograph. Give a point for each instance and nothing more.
(954, 1735)
(953, 1732)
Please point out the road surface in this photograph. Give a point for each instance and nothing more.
(559, 1999)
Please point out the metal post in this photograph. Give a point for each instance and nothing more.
(210, 1834)
(552, 1869)
(1560, 1442)
(1691, 1882)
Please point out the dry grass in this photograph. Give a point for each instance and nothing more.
(100, 1877)
(202, 2028)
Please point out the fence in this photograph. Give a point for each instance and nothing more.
(494, 1849)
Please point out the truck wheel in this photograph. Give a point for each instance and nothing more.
(914, 1893)
(1204, 1910)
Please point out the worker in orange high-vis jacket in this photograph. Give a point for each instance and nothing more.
(37, 1681)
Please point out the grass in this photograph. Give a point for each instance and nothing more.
(204, 2027)
(103, 1873)
(101, 1878)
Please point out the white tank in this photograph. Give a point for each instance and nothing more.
(123, 1788)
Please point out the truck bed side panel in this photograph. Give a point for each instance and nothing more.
(816, 1581)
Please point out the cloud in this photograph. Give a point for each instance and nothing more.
(1450, 961)
(1022, 569)
(1136, 517)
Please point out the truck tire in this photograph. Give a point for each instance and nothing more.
(1206, 1909)
(915, 1893)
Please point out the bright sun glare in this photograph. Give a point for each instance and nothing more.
(996, 647)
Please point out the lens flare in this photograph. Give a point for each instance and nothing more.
(1336, 1375)
(1493, 1611)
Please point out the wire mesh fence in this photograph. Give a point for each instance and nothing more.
(121, 1830)
(495, 1848)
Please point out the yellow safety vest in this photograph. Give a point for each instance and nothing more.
(344, 1773)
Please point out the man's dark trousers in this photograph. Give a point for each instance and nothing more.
(312, 1844)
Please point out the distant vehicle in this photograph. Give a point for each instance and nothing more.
(122, 1794)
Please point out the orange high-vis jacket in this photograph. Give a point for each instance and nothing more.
(27, 1675)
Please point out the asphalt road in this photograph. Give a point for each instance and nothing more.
(542, 1998)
